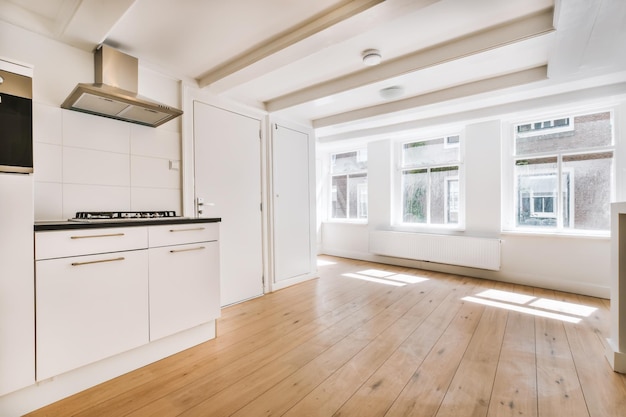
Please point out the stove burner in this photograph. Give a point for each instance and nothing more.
(105, 215)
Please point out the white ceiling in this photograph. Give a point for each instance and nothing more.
(302, 59)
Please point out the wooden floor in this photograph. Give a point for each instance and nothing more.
(375, 340)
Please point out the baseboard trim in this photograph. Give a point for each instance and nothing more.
(616, 359)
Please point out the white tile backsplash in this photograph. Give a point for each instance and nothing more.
(87, 131)
(153, 172)
(149, 198)
(48, 162)
(47, 124)
(90, 163)
(85, 166)
(159, 143)
(91, 197)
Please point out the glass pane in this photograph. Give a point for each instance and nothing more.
(357, 185)
(434, 151)
(362, 200)
(339, 197)
(453, 200)
(453, 140)
(349, 161)
(536, 189)
(415, 196)
(565, 134)
(440, 194)
(586, 186)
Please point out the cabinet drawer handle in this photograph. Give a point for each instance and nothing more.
(187, 230)
(187, 250)
(97, 262)
(90, 236)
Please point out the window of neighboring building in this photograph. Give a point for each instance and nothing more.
(562, 124)
(348, 171)
(563, 177)
(429, 181)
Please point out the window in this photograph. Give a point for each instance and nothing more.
(544, 127)
(349, 185)
(563, 178)
(429, 181)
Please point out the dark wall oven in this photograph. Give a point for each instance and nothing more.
(16, 123)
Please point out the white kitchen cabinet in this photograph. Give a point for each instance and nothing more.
(101, 291)
(76, 242)
(89, 307)
(184, 277)
(176, 234)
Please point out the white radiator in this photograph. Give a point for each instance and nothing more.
(474, 252)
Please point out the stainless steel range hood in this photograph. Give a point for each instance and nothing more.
(114, 93)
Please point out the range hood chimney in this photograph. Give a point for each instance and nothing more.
(114, 93)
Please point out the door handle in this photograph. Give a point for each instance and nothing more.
(201, 204)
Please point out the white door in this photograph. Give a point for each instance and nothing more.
(227, 149)
(292, 203)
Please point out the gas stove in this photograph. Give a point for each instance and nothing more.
(108, 216)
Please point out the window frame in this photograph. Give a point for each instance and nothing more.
(533, 131)
(331, 188)
(401, 167)
(510, 195)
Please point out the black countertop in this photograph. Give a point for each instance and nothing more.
(91, 224)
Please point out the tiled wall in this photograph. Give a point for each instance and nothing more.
(90, 163)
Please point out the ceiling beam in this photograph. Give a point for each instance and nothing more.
(480, 112)
(83, 24)
(517, 30)
(33, 21)
(338, 33)
(290, 37)
(483, 86)
(591, 36)
(91, 22)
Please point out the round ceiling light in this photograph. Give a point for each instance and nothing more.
(371, 57)
(392, 92)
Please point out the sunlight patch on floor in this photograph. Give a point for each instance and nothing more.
(321, 262)
(509, 297)
(542, 307)
(385, 277)
(563, 307)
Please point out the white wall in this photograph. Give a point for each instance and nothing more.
(569, 263)
(84, 162)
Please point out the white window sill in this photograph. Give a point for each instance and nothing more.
(345, 221)
(433, 229)
(558, 234)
